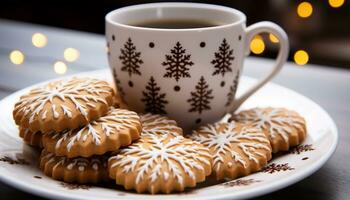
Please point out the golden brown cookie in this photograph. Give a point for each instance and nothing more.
(64, 104)
(31, 138)
(237, 150)
(79, 170)
(284, 128)
(159, 125)
(119, 127)
(160, 164)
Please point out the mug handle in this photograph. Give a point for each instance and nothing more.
(251, 31)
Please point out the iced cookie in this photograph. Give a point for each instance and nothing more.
(119, 127)
(64, 104)
(160, 164)
(237, 150)
(284, 128)
(31, 138)
(79, 170)
(159, 125)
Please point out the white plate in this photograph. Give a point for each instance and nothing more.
(282, 171)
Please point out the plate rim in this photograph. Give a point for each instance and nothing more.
(253, 192)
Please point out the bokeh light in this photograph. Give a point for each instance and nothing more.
(304, 9)
(336, 3)
(301, 57)
(273, 38)
(257, 45)
(16, 57)
(71, 54)
(39, 40)
(60, 67)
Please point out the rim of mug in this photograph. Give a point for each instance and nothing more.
(110, 15)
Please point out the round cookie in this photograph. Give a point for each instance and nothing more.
(119, 127)
(64, 104)
(284, 128)
(160, 164)
(159, 125)
(237, 150)
(79, 170)
(31, 138)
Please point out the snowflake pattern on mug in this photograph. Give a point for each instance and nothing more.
(232, 91)
(154, 101)
(131, 58)
(177, 63)
(201, 97)
(223, 59)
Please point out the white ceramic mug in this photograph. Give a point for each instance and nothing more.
(190, 75)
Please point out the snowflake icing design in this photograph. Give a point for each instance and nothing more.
(159, 125)
(162, 156)
(279, 122)
(222, 143)
(113, 122)
(83, 93)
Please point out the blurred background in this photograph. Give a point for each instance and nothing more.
(319, 30)
(40, 40)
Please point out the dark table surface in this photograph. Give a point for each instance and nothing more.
(326, 85)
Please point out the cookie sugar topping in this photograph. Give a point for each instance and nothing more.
(63, 104)
(284, 128)
(119, 127)
(222, 137)
(78, 91)
(157, 124)
(152, 151)
(277, 121)
(113, 122)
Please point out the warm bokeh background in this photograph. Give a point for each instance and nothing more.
(319, 28)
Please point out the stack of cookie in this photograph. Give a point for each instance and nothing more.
(87, 140)
(76, 124)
